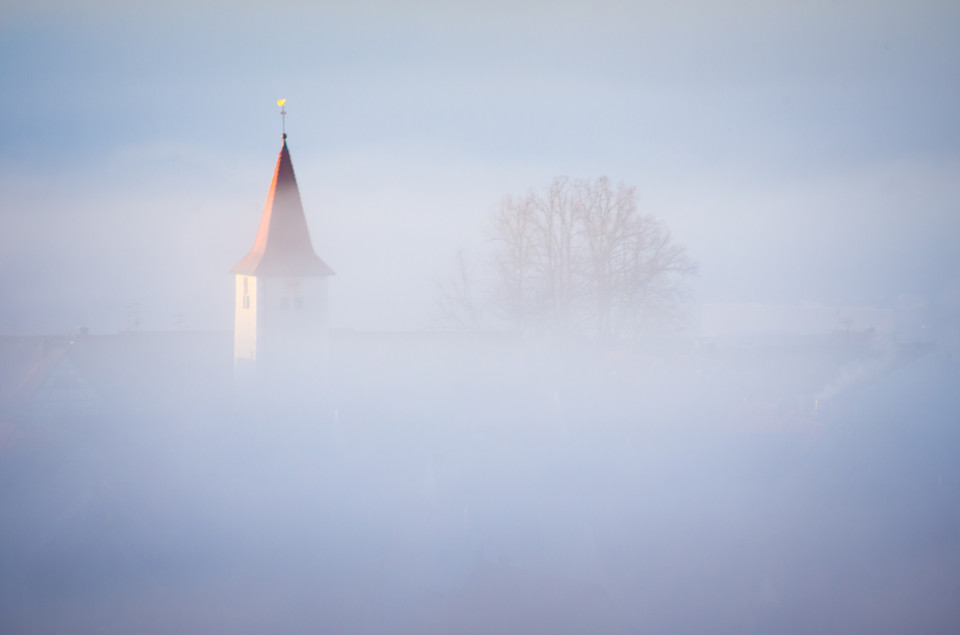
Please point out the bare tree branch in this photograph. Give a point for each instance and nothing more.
(457, 303)
(581, 256)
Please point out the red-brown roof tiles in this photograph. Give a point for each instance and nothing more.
(283, 246)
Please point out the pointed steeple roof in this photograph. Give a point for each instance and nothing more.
(283, 246)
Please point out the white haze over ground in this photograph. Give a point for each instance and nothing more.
(806, 154)
(492, 487)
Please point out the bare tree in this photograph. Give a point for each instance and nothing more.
(536, 259)
(580, 257)
(457, 301)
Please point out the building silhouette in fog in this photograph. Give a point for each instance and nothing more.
(280, 327)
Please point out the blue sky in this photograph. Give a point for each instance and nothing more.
(804, 152)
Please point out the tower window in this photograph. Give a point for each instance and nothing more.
(246, 301)
(291, 289)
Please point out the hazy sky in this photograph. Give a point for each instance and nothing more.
(804, 152)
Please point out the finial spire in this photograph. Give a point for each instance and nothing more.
(283, 116)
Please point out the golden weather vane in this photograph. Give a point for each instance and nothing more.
(283, 115)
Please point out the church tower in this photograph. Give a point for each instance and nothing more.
(280, 329)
